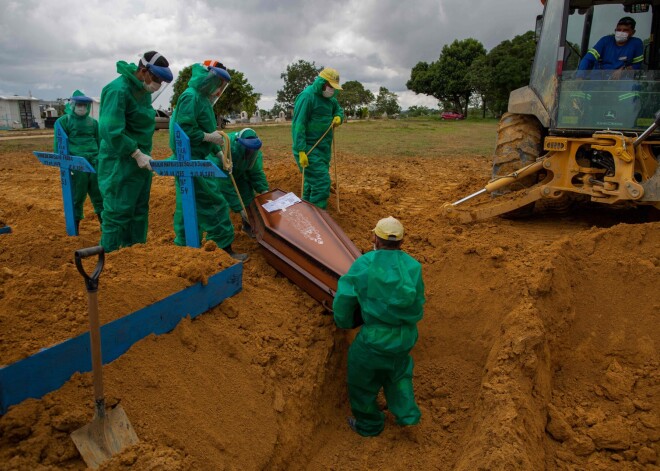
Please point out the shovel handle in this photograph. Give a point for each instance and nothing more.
(92, 282)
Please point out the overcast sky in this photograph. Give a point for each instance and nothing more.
(51, 47)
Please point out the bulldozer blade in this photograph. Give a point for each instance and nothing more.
(104, 437)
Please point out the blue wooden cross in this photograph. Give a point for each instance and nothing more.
(66, 163)
(184, 169)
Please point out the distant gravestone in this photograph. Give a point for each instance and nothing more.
(384, 116)
(244, 117)
(281, 117)
(256, 118)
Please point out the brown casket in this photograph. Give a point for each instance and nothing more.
(304, 244)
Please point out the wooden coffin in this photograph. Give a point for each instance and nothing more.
(304, 244)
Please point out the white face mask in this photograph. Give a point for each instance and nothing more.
(328, 92)
(80, 110)
(152, 87)
(620, 36)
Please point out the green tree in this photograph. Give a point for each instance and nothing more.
(415, 110)
(387, 102)
(480, 77)
(275, 110)
(354, 96)
(445, 79)
(510, 63)
(238, 96)
(296, 77)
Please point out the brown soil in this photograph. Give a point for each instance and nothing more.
(538, 350)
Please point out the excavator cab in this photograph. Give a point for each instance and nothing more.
(580, 129)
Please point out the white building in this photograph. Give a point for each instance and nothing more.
(17, 112)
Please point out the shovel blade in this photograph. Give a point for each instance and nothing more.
(104, 437)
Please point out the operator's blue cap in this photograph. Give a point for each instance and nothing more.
(248, 138)
(163, 73)
(221, 73)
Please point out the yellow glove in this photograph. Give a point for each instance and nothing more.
(304, 161)
(336, 121)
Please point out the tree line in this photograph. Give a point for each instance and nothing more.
(464, 74)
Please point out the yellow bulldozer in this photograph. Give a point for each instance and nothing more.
(578, 133)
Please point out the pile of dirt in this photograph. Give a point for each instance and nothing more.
(538, 348)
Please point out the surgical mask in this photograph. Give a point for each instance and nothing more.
(328, 92)
(80, 110)
(152, 87)
(620, 36)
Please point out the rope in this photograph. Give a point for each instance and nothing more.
(229, 167)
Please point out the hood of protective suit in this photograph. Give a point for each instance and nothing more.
(129, 70)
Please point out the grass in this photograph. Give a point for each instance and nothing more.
(419, 137)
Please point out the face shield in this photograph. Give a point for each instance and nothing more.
(215, 83)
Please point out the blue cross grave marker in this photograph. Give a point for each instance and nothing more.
(184, 169)
(66, 163)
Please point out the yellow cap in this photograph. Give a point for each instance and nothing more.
(332, 76)
(389, 229)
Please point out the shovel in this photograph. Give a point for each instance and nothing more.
(109, 432)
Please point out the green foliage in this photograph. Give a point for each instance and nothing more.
(445, 79)
(275, 110)
(511, 62)
(386, 102)
(415, 111)
(354, 96)
(296, 77)
(238, 96)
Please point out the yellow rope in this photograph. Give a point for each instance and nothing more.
(229, 166)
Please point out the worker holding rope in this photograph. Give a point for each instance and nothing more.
(194, 113)
(247, 173)
(315, 112)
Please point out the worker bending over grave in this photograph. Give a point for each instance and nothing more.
(248, 173)
(83, 137)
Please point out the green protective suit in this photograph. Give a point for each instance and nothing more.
(194, 113)
(248, 173)
(83, 134)
(312, 115)
(126, 123)
(387, 286)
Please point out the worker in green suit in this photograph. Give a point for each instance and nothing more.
(383, 290)
(315, 109)
(83, 139)
(127, 125)
(194, 113)
(248, 172)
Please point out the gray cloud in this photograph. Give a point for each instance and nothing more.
(52, 48)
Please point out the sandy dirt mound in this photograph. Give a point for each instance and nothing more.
(538, 348)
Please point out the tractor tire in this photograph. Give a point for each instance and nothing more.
(519, 139)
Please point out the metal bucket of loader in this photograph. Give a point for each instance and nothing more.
(303, 243)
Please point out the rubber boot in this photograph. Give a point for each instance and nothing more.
(241, 257)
